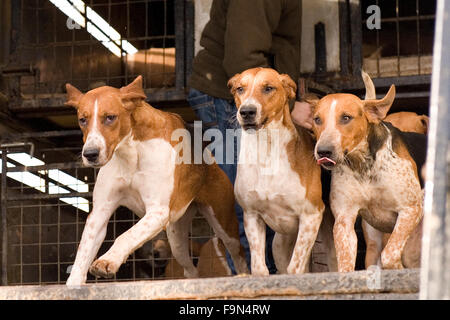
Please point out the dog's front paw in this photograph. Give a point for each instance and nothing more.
(260, 271)
(75, 282)
(104, 268)
(295, 268)
(388, 262)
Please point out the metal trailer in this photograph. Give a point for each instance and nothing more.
(38, 228)
(435, 273)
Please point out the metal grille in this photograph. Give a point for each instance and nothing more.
(49, 49)
(46, 207)
(403, 45)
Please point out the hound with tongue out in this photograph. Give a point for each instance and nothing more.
(374, 174)
(327, 162)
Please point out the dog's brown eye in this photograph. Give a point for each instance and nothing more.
(268, 89)
(110, 119)
(317, 121)
(82, 121)
(239, 90)
(346, 119)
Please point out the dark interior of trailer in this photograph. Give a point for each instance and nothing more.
(41, 51)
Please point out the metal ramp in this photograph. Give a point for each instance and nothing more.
(387, 284)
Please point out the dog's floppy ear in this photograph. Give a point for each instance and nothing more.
(132, 92)
(376, 110)
(232, 83)
(289, 85)
(73, 96)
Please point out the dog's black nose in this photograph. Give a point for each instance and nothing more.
(247, 112)
(91, 154)
(325, 152)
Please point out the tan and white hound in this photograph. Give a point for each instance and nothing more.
(373, 173)
(278, 181)
(131, 143)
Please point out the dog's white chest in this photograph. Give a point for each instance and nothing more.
(144, 171)
(268, 185)
(389, 186)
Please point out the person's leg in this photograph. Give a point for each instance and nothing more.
(226, 118)
(214, 114)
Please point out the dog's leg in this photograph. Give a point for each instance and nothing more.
(231, 244)
(374, 244)
(105, 201)
(412, 252)
(93, 235)
(215, 201)
(307, 234)
(326, 235)
(255, 229)
(345, 238)
(153, 222)
(407, 221)
(178, 235)
(282, 246)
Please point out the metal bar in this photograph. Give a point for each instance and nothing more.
(412, 18)
(16, 9)
(344, 37)
(356, 36)
(397, 28)
(50, 166)
(383, 82)
(403, 95)
(320, 46)
(87, 42)
(4, 220)
(43, 134)
(189, 35)
(418, 36)
(43, 196)
(402, 81)
(378, 46)
(14, 71)
(55, 103)
(16, 29)
(435, 271)
(179, 45)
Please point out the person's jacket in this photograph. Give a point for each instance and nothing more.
(243, 34)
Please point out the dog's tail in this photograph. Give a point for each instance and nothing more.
(370, 88)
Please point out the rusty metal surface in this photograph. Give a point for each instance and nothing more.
(395, 284)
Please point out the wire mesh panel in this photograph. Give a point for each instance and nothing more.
(47, 198)
(403, 44)
(92, 43)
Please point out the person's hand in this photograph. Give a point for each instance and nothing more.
(301, 114)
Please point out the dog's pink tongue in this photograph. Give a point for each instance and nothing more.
(325, 160)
